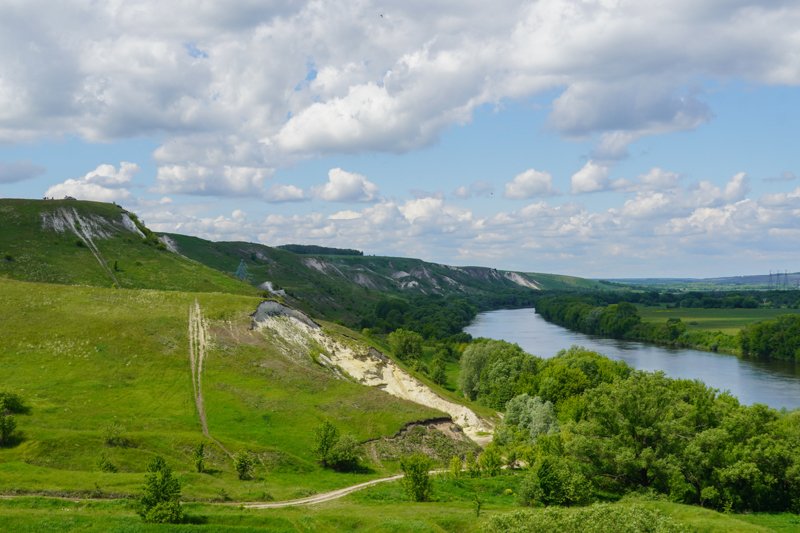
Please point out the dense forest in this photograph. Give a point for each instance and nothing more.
(588, 429)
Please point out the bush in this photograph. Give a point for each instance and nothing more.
(490, 461)
(7, 427)
(325, 438)
(335, 451)
(160, 502)
(344, 454)
(199, 457)
(406, 345)
(112, 435)
(105, 464)
(244, 463)
(598, 518)
(12, 403)
(554, 481)
(9, 405)
(417, 479)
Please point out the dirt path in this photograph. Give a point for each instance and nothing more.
(198, 347)
(309, 500)
(318, 498)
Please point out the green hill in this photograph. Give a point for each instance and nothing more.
(92, 363)
(93, 243)
(347, 287)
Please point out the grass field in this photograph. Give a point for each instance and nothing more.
(381, 508)
(728, 321)
(86, 358)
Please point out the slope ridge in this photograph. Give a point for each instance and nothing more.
(95, 243)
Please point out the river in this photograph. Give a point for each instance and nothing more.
(775, 383)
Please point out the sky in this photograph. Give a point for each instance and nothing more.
(598, 138)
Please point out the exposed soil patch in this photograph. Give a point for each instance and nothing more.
(439, 439)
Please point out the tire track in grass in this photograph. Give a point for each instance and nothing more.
(198, 348)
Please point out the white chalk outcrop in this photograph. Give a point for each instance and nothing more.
(365, 365)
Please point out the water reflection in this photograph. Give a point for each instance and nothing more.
(775, 383)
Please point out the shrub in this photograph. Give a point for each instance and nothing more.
(417, 479)
(160, 502)
(199, 457)
(7, 427)
(455, 467)
(244, 463)
(344, 454)
(490, 461)
(325, 438)
(112, 435)
(598, 518)
(105, 464)
(554, 481)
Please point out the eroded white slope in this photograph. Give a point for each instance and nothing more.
(369, 367)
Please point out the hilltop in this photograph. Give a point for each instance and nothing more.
(93, 243)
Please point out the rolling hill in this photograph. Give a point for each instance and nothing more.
(99, 244)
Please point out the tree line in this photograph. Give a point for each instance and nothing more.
(769, 339)
(587, 428)
(622, 321)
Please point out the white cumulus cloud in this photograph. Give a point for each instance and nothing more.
(343, 186)
(529, 184)
(592, 177)
(106, 183)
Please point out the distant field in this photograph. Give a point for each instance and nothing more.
(728, 321)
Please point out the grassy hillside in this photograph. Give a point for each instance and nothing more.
(89, 359)
(93, 243)
(345, 287)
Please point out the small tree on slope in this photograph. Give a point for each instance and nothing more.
(160, 502)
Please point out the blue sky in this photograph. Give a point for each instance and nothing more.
(601, 138)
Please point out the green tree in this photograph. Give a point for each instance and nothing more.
(490, 461)
(405, 344)
(343, 456)
(160, 502)
(199, 457)
(244, 463)
(455, 467)
(472, 466)
(555, 481)
(439, 371)
(7, 427)
(417, 479)
(325, 438)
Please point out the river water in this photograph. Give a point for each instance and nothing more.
(775, 383)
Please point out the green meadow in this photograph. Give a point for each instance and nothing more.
(88, 360)
(728, 321)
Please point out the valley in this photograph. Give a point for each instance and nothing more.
(122, 345)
